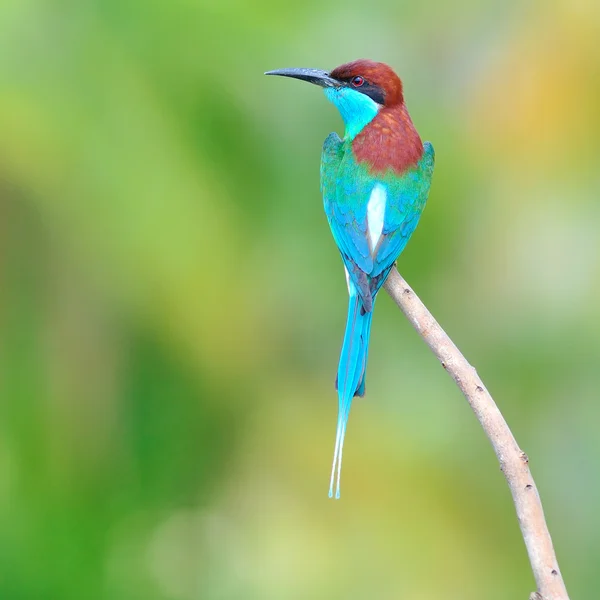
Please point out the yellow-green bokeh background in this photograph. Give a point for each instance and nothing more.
(172, 303)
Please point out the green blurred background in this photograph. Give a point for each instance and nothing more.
(172, 303)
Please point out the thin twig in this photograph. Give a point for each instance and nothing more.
(513, 461)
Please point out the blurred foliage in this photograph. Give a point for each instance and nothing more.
(172, 304)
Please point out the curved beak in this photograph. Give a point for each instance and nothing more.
(315, 76)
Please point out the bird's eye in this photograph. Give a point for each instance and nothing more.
(357, 81)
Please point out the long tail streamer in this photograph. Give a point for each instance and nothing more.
(350, 378)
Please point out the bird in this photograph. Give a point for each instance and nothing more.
(375, 182)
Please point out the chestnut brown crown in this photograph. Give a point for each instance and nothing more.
(376, 79)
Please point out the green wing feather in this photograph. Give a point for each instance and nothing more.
(346, 186)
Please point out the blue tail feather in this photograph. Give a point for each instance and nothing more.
(351, 376)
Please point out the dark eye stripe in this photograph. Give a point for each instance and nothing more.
(368, 89)
(374, 92)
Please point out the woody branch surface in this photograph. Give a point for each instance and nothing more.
(513, 461)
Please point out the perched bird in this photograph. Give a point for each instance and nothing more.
(375, 183)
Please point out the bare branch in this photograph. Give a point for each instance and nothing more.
(513, 461)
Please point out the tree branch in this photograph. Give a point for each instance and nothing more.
(513, 461)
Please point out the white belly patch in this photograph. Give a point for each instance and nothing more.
(376, 214)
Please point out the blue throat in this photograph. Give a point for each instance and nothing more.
(357, 109)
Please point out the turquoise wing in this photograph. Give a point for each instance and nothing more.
(347, 186)
(407, 196)
(344, 217)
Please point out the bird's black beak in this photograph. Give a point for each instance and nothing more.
(315, 76)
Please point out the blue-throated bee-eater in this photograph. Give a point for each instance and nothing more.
(375, 182)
